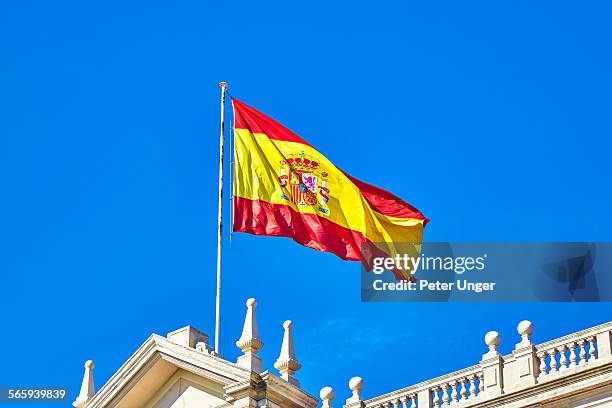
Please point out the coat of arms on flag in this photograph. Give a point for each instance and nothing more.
(303, 182)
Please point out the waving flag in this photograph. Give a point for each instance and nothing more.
(285, 187)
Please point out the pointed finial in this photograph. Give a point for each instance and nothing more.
(249, 342)
(287, 363)
(356, 385)
(327, 396)
(87, 386)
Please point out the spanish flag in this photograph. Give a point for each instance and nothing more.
(285, 187)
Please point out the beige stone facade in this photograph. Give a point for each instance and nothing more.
(181, 370)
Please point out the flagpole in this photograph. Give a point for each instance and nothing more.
(224, 86)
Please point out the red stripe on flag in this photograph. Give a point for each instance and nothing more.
(262, 218)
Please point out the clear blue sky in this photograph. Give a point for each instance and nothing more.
(493, 118)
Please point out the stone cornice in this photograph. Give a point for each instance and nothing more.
(253, 387)
(281, 392)
(156, 348)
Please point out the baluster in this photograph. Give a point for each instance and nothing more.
(583, 353)
(396, 403)
(573, 357)
(543, 367)
(445, 397)
(473, 379)
(592, 350)
(404, 401)
(464, 381)
(480, 382)
(563, 358)
(553, 360)
(436, 400)
(413, 401)
(454, 394)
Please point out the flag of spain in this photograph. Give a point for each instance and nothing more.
(285, 187)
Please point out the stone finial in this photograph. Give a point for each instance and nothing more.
(87, 386)
(327, 395)
(524, 328)
(492, 340)
(356, 385)
(287, 363)
(249, 341)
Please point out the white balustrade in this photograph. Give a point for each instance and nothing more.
(413, 401)
(545, 362)
(566, 353)
(458, 389)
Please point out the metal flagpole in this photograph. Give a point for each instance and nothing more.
(224, 86)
